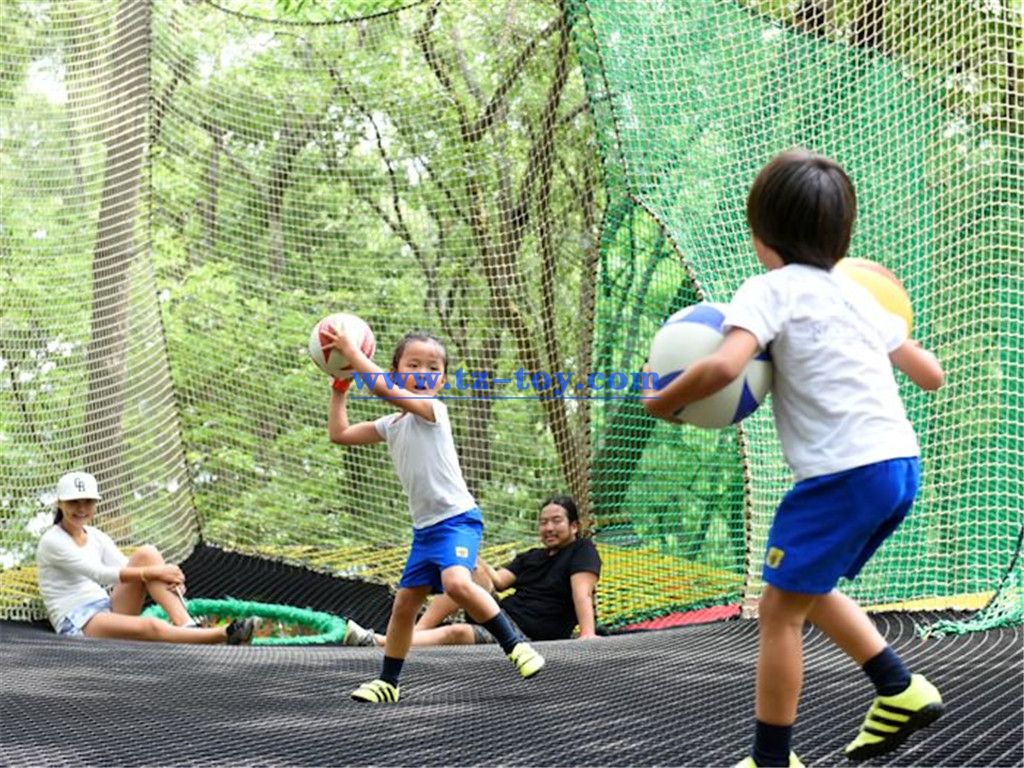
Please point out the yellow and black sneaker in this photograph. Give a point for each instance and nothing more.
(794, 762)
(892, 719)
(527, 660)
(376, 692)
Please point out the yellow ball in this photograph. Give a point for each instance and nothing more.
(882, 284)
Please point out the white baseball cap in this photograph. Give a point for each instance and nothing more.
(77, 485)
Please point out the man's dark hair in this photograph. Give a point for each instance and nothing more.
(802, 206)
(566, 502)
(418, 336)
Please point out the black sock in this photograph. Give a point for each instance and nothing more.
(503, 631)
(392, 670)
(887, 672)
(771, 744)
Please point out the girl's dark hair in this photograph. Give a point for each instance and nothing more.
(802, 206)
(58, 515)
(418, 336)
(566, 502)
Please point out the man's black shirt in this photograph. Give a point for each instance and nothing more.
(542, 604)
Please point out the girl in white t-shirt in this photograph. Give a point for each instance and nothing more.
(844, 433)
(447, 526)
(77, 563)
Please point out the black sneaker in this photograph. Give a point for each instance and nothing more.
(240, 632)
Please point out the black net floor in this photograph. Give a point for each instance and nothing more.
(676, 697)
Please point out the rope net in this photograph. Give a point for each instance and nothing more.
(922, 104)
(190, 186)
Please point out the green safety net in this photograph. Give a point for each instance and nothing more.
(190, 185)
(921, 104)
(1004, 608)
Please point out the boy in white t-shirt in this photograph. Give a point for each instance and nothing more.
(447, 525)
(844, 433)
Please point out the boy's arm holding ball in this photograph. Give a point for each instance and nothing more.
(920, 365)
(705, 377)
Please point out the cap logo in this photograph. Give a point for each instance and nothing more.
(80, 484)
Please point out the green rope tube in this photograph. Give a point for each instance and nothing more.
(330, 628)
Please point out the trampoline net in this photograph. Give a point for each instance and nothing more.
(190, 186)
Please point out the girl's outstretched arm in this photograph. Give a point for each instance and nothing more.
(705, 377)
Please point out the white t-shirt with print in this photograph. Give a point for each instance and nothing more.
(70, 575)
(834, 395)
(427, 464)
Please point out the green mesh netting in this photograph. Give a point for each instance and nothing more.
(190, 186)
(921, 103)
(1004, 609)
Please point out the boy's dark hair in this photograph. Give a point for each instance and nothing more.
(418, 336)
(802, 206)
(566, 502)
(58, 515)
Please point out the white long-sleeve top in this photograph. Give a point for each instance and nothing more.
(70, 575)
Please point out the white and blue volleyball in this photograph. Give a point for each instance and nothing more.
(693, 333)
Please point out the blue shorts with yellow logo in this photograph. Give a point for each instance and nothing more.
(829, 526)
(453, 541)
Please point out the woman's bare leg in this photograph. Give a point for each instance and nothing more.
(438, 609)
(124, 627)
(128, 598)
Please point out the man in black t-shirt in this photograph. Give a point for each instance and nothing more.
(554, 586)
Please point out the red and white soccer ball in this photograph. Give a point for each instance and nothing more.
(330, 360)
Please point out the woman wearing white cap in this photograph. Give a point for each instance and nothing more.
(76, 561)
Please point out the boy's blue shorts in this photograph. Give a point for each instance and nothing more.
(829, 526)
(453, 541)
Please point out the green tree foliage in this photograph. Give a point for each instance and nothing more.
(428, 168)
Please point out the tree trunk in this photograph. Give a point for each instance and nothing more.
(125, 141)
(585, 353)
(291, 143)
(476, 448)
(206, 205)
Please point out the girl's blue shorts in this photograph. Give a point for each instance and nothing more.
(830, 526)
(454, 541)
(82, 614)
